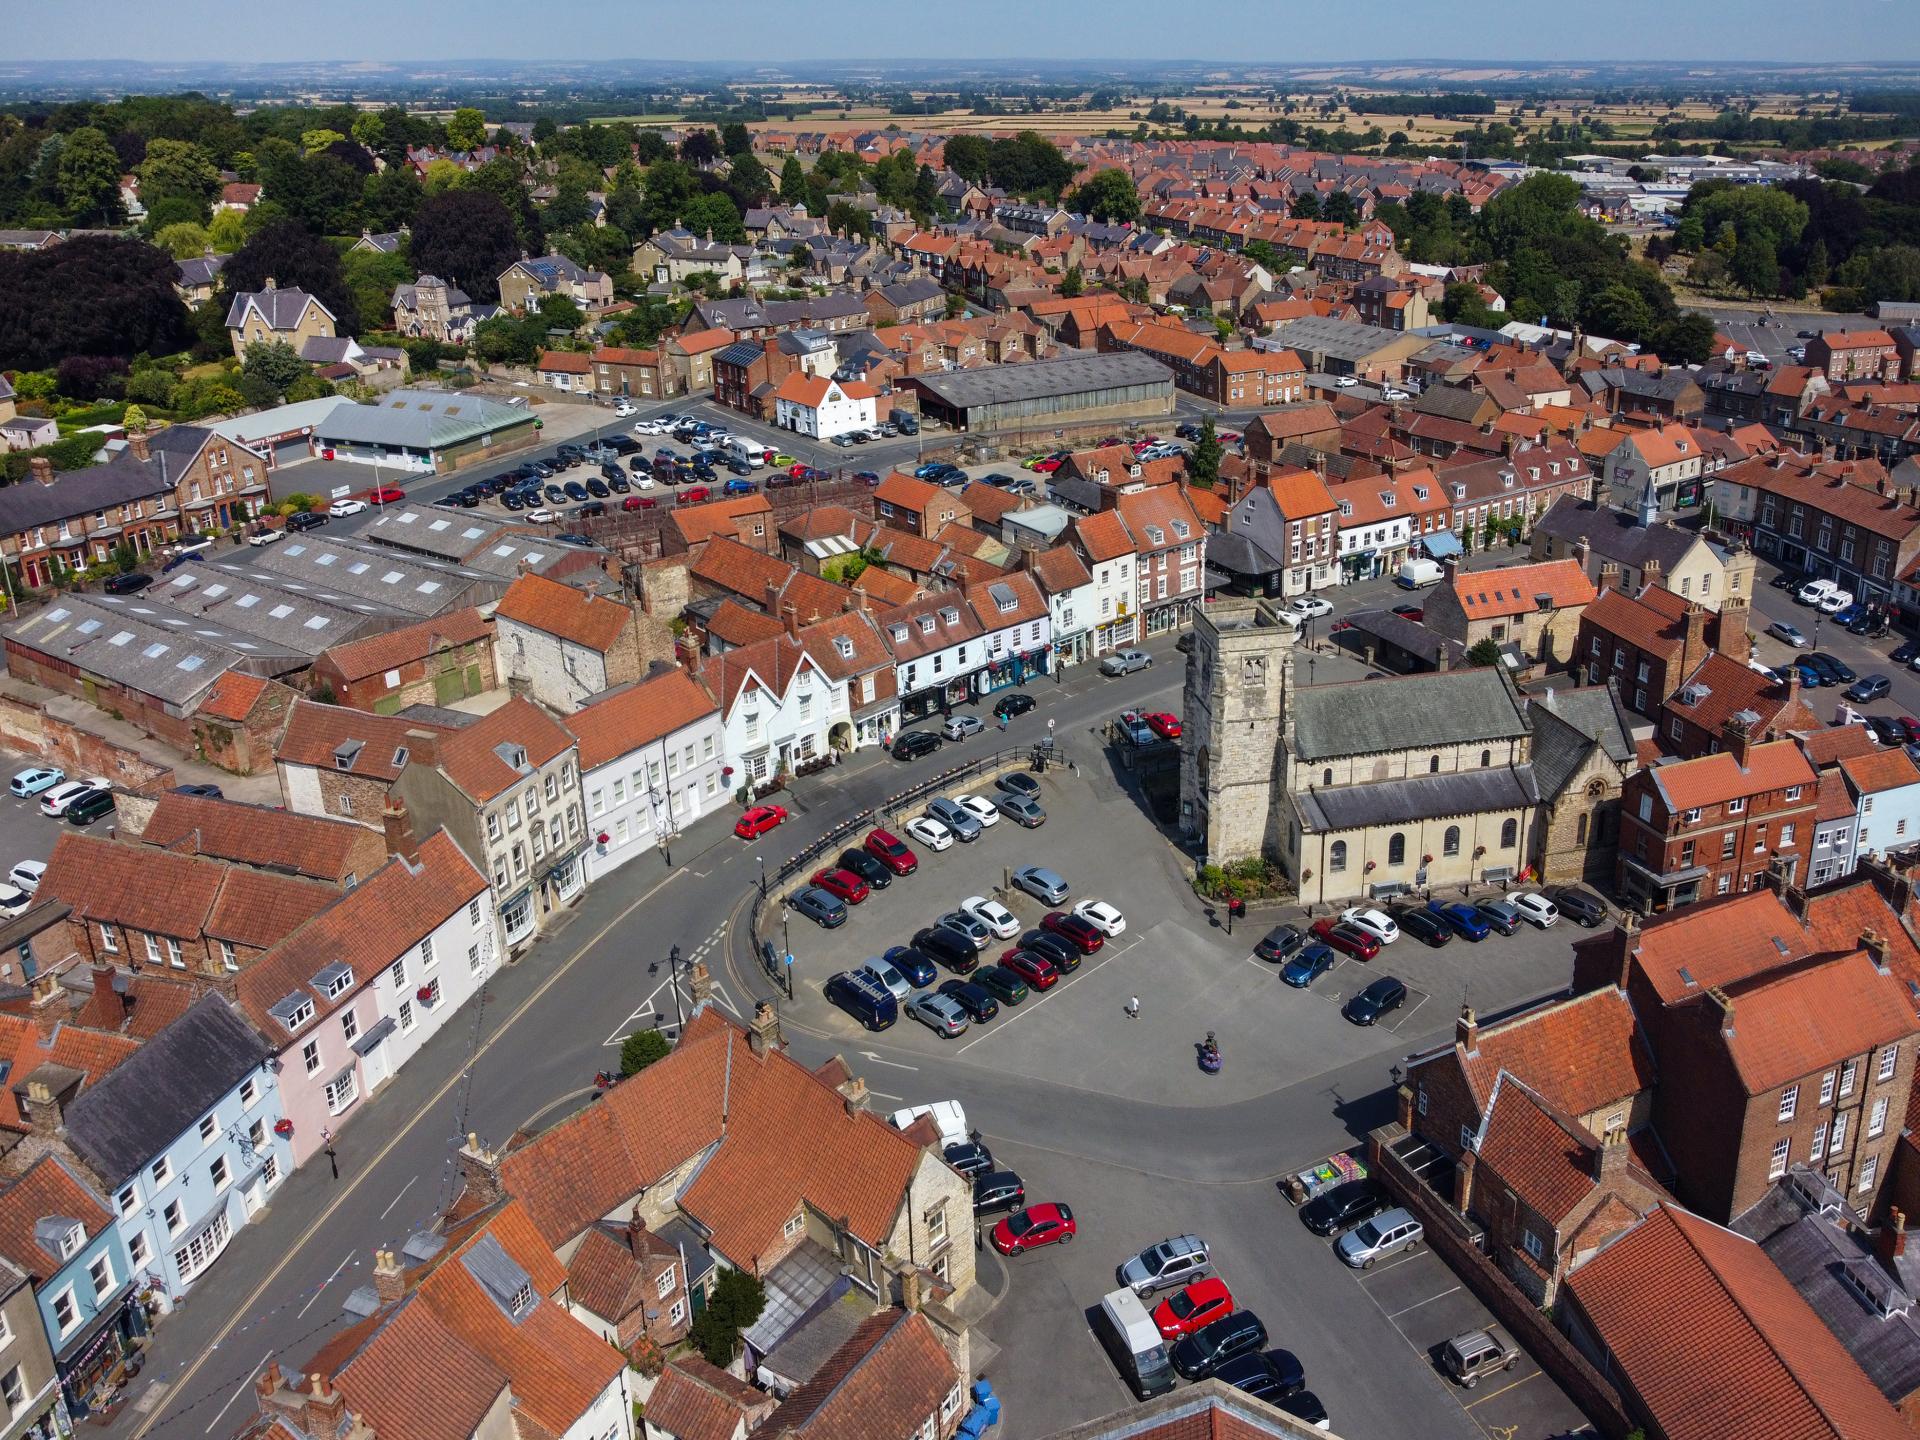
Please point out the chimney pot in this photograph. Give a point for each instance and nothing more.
(1466, 1030)
(1890, 1240)
(137, 442)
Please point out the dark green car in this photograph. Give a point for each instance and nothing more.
(1001, 983)
(89, 807)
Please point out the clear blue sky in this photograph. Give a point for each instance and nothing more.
(771, 30)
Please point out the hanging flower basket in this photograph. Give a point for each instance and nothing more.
(1426, 859)
(601, 838)
(424, 994)
(283, 1128)
(1370, 867)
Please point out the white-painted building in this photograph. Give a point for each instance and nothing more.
(823, 407)
(1073, 600)
(652, 757)
(776, 704)
(1111, 557)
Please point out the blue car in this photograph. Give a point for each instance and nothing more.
(740, 487)
(33, 781)
(1464, 919)
(1810, 675)
(917, 968)
(1308, 966)
(921, 472)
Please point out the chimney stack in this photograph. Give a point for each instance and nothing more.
(1890, 1240)
(480, 1170)
(326, 1408)
(103, 988)
(41, 468)
(424, 746)
(636, 1230)
(50, 1007)
(137, 443)
(853, 1094)
(397, 824)
(699, 984)
(1739, 741)
(763, 1034)
(1609, 575)
(1875, 944)
(790, 617)
(42, 1106)
(1466, 1030)
(389, 1279)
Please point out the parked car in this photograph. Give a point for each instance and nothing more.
(1193, 1306)
(1788, 633)
(890, 852)
(998, 1190)
(87, 808)
(941, 1014)
(843, 884)
(1309, 965)
(912, 744)
(1832, 670)
(1102, 916)
(862, 997)
(1039, 972)
(996, 917)
(1198, 1355)
(1076, 930)
(1033, 1227)
(964, 824)
(1041, 883)
(930, 833)
(54, 802)
(758, 820)
(1312, 606)
(1065, 957)
(959, 727)
(1887, 730)
(1473, 1353)
(1464, 919)
(1868, 688)
(1161, 1266)
(1379, 998)
(888, 975)
(1534, 908)
(1008, 706)
(35, 779)
(28, 874)
(1166, 726)
(135, 580)
(1125, 662)
(1346, 1204)
(1022, 811)
(981, 808)
(1426, 927)
(817, 905)
(1270, 1377)
(1376, 923)
(1387, 1233)
(912, 964)
(1584, 907)
(871, 872)
(346, 507)
(13, 901)
(979, 1005)
(953, 948)
(1001, 983)
(1280, 943)
(1498, 913)
(1347, 939)
(961, 923)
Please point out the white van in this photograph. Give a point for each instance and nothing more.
(948, 1117)
(1415, 574)
(1132, 1341)
(751, 451)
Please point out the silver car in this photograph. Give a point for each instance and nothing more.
(941, 1014)
(1385, 1234)
(969, 925)
(1125, 662)
(1041, 883)
(961, 726)
(1022, 811)
(955, 817)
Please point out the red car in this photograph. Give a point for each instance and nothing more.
(384, 495)
(1911, 726)
(1201, 1303)
(695, 496)
(638, 502)
(1048, 465)
(1348, 939)
(1032, 1227)
(757, 821)
(1083, 935)
(1036, 970)
(844, 883)
(1166, 726)
(882, 845)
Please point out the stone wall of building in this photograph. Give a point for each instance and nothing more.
(1233, 709)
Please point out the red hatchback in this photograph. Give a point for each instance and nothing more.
(1166, 726)
(757, 821)
(1035, 1226)
(698, 495)
(844, 883)
(1347, 939)
(1201, 1303)
(1036, 970)
(1080, 934)
(888, 850)
(384, 495)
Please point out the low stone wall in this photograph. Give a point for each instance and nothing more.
(1447, 1234)
(26, 729)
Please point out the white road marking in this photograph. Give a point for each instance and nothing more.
(1041, 999)
(245, 1386)
(882, 1094)
(396, 1199)
(1395, 1315)
(894, 1064)
(323, 1286)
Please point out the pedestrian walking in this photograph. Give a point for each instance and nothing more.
(1133, 1008)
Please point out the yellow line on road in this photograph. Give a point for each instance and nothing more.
(1505, 1388)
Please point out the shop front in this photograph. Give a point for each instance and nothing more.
(565, 878)
(517, 916)
(936, 699)
(1011, 670)
(98, 1361)
(1074, 649)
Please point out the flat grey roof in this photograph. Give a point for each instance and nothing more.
(419, 420)
(1343, 339)
(370, 578)
(260, 608)
(1004, 384)
(482, 545)
(173, 661)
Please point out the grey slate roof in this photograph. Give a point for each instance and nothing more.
(745, 314)
(912, 292)
(281, 309)
(1567, 724)
(173, 662)
(149, 1100)
(1451, 401)
(1616, 535)
(1320, 335)
(1405, 712)
(363, 578)
(264, 607)
(98, 487)
(1669, 384)
(1238, 555)
(201, 270)
(1041, 379)
(1422, 797)
(418, 420)
(1409, 635)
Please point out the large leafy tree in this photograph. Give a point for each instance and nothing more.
(89, 175)
(373, 276)
(467, 129)
(389, 200)
(89, 296)
(1108, 195)
(465, 236)
(294, 258)
(737, 1300)
(969, 156)
(178, 169)
(274, 364)
(793, 181)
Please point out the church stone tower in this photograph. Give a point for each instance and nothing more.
(1233, 719)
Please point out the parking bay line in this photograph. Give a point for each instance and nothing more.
(1494, 1395)
(1065, 985)
(1396, 1314)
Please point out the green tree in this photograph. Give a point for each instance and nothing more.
(1483, 652)
(1203, 465)
(314, 141)
(274, 364)
(1756, 268)
(747, 181)
(1619, 310)
(737, 1300)
(373, 276)
(390, 199)
(1072, 283)
(467, 129)
(1305, 206)
(793, 182)
(178, 169)
(1686, 339)
(89, 175)
(1689, 235)
(968, 156)
(183, 240)
(1109, 196)
(1340, 208)
(369, 129)
(641, 1049)
(227, 232)
(1815, 266)
(736, 139)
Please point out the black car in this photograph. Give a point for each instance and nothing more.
(1425, 926)
(307, 520)
(597, 487)
(1887, 730)
(1303, 1405)
(1280, 942)
(1872, 625)
(128, 583)
(1344, 1205)
(1018, 782)
(619, 484)
(513, 500)
(575, 490)
(950, 947)
(1787, 580)
(210, 792)
(1905, 651)
(1018, 703)
(969, 1157)
(1044, 943)
(591, 508)
(978, 1004)
(877, 876)
(998, 1190)
(1265, 1377)
(914, 744)
(1380, 997)
(621, 444)
(1834, 672)
(1005, 986)
(1581, 906)
(907, 424)
(1198, 1355)
(913, 965)
(467, 499)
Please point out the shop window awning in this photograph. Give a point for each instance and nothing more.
(1441, 544)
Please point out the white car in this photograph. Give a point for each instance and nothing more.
(624, 408)
(1835, 602)
(985, 811)
(1312, 605)
(1376, 923)
(1391, 394)
(266, 537)
(929, 832)
(1102, 916)
(992, 914)
(649, 427)
(27, 874)
(1346, 382)
(56, 800)
(542, 516)
(346, 507)
(13, 901)
(1535, 909)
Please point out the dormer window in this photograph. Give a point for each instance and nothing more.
(1346, 507)
(1420, 492)
(845, 646)
(1181, 529)
(950, 616)
(293, 1012)
(927, 623)
(70, 1242)
(899, 634)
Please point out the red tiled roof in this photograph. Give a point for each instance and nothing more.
(1714, 779)
(1577, 1054)
(1647, 622)
(260, 835)
(570, 362)
(1516, 590)
(469, 758)
(138, 1005)
(698, 1401)
(1059, 569)
(1883, 770)
(1718, 943)
(1300, 494)
(887, 1378)
(315, 733)
(621, 722)
(47, 1190)
(1806, 1021)
(233, 696)
(1725, 687)
(376, 654)
(700, 523)
(733, 624)
(906, 492)
(1544, 1155)
(592, 621)
(92, 1052)
(1716, 1342)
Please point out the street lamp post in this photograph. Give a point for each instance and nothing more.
(673, 979)
(763, 875)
